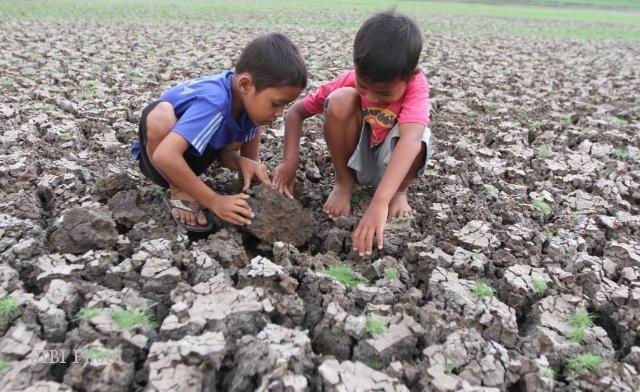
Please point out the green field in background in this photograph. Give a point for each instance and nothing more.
(435, 16)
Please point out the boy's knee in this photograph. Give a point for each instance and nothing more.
(162, 118)
(344, 103)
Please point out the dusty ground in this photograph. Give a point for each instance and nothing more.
(533, 191)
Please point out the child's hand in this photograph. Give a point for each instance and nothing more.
(249, 169)
(283, 177)
(233, 209)
(371, 224)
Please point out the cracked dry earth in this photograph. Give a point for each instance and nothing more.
(533, 191)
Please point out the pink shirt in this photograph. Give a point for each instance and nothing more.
(413, 107)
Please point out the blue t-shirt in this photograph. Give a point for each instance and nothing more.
(203, 109)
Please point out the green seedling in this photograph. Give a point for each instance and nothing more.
(343, 274)
(472, 114)
(7, 83)
(88, 85)
(128, 319)
(488, 189)
(100, 354)
(539, 285)
(600, 171)
(64, 136)
(541, 205)
(45, 107)
(544, 152)
(619, 154)
(373, 364)
(448, 366)
(566, 119)
(4, 366)
(391, 273)
(8, 307)
(536, 124)
(86, 314)
(549, 373)
(430, 172)
(482, 290)
(375, 326)
(549, 234)
(582, 320)
(586, 361)
(617, 121)
(357, 196)
(638, 100)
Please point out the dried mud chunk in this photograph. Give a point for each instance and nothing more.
(278, 218)
(335, 376)
(80, 230)
(471, 358)
(548, 329)
(476, 235)
(398, 341)
(277, 358)
(99, 368)
(125, 208)
(185, 364)
(495, 320)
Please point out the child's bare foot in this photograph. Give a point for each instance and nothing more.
(399, 206)
(339, 201)
(183, 215)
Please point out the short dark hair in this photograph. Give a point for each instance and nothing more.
(273, 61)
(387, 47)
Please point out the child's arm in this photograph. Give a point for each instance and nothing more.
(168, 159)
(285, 172)
(402, 157)
(232, 158)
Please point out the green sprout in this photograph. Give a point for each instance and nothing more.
(549, 373)
(343, 274)
(448, 366)
(600, 171)
(373, 364)
(541, 205)
(488, 189)
(8, 307)
(86, 314)
(375, 326)
(580, 322)
(638, 100)
(586, 361)
(617, 121)
(430, 172)
(7, 83)
(64, 136)
(4, 366)
(89, 84)
(566, 119)
(357, 196)
(472, 114)
(482, 290)
(391, 273)
(539, 285)
(544, 152)
(549, 234)
(128, 319)
(100, 353)
(536, 124)
(45, 107)
(619, 154)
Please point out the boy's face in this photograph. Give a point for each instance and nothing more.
(382, 93)
(265, 106)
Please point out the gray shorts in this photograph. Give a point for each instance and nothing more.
(370, 163)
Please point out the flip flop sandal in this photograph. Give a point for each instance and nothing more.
(193, 207)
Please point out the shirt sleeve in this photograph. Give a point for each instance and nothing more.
(415, 106)
(313, 102)
(199, 123)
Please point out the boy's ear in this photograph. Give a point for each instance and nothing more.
(245, 82)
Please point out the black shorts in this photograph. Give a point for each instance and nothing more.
(196, 163)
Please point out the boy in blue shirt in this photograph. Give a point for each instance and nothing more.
(218, 117)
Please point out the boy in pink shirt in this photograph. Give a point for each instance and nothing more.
(376, 119)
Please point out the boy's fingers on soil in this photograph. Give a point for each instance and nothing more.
(379, 237)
